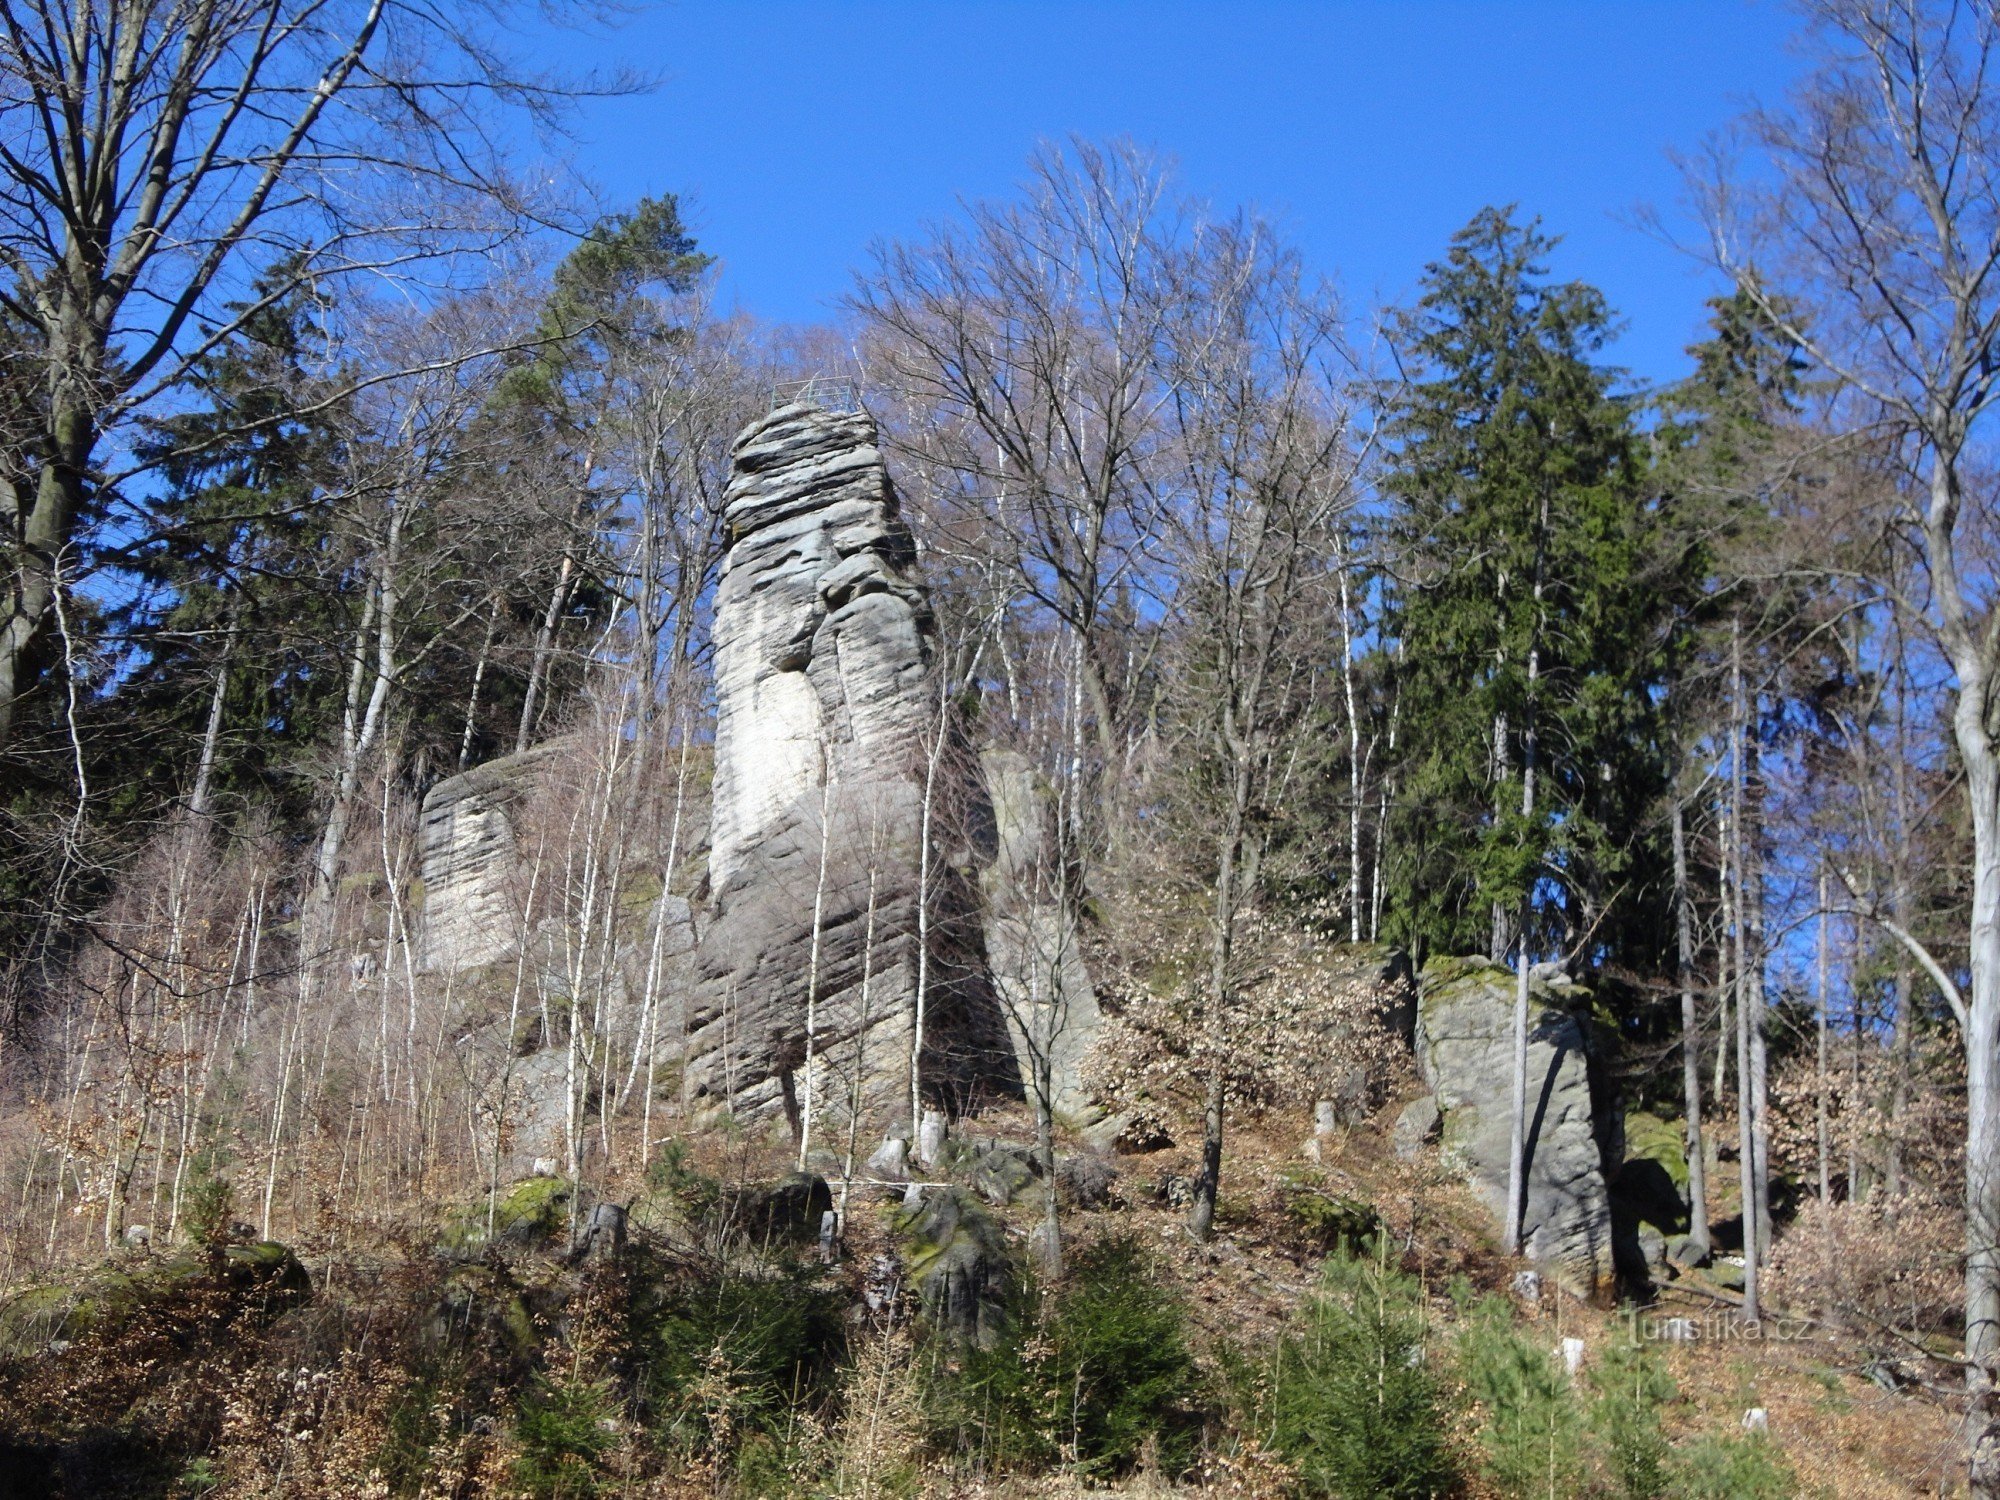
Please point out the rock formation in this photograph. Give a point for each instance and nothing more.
(1032, 944)
(1465, 1048)
(824, 704)
(466, 857)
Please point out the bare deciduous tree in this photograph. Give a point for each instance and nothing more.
(158, 160)
(1874, 243)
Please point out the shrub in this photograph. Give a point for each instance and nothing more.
(1895, 1262)
(1329, 1224)
(1731, 1466)
(1532, 1424)
(209, 1204)
(561, 1431)
(1356, 1408)
(1630, 1386)
(1118, 1366)
(1094, 1372)
(725, 1352)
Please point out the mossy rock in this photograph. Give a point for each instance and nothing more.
(1650, 1138)
(265, 1277)
(267, 1267)
(534, 1211)
(37, 1317)
(956, 1257)
(999, 1171)
(1651, 1185)
(486, 1307)
(640, 893)
(1445, 979)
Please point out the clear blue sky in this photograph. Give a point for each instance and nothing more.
(799, 133)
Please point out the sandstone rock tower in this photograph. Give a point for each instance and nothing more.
(824, 709)
(1465, 1050)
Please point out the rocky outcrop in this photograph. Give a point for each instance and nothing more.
(824, 707)
(466, 858)
(1032, 944)
(1465, 1049)
(957, 1263)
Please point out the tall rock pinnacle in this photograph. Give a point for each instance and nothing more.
(824, 708)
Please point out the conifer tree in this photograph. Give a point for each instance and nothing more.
(235, 626)
(1529, 633)
(1527, 615)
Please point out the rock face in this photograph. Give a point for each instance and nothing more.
(1031, 943)
(958, 1265)
(1465, 1045)
(824, 708)
(466, 856)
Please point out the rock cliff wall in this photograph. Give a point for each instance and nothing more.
(466, 859)
(1032, 945)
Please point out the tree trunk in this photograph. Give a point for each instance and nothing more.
(1822, 1134)
(1903, 1033)
(1696, 1148)
(1354, 898)
(1517, 1142)
(211, 734)
(58, 499)
(1751, 851)
(1982, 1042)
(1201, 1213)
(1746, 1143)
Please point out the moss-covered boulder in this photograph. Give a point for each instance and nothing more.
(1650, 1138)
(999, 1171)
(257, 1280)
(483, 1306)
(531, 1213)
(1650, 1187)
(955, 1255)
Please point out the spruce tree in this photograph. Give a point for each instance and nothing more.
(234, 630)
(1526, 618)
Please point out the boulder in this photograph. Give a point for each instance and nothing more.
(998, 1171)
(531, 1213)
(1465, 1049)
(1417, 1125)
(788, 1210)
(823, 791)
(601, 1235)
(1647, 1201)
(956, 1259)
(1086, 1178)
(253, 1281)
(890, 1161)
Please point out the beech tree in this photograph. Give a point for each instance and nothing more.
(1265, 479)
(1028, 339)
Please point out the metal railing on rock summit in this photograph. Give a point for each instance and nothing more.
(828, 393)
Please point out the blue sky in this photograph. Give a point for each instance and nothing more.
(800, 133)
